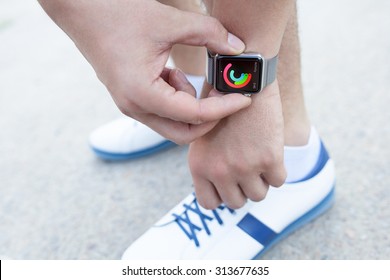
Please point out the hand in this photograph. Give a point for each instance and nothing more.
(242, 155)
(128, 44)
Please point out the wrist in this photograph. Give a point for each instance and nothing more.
(262, 102)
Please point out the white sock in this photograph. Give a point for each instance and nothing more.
(197, 82)
(300, 160)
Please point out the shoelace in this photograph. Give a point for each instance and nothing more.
(192, 229)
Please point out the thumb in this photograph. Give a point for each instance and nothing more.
(201, 30)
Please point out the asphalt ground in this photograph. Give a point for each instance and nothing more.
(58, 201)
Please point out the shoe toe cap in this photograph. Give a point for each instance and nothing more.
(123, 136)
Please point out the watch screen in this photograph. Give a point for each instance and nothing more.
(238, 74)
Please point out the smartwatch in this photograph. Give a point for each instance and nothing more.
(247, 73)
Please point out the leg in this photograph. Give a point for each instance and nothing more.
(281, 36)
(245, 172)
(202, 234)
(191, 60)
(296, 121)
(302, 144)
(260, 24)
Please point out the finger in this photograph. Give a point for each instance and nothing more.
(178, 132)
(208, 32)
(178, 80)
(254, 187)
(166, 73)
(206, 193)
(227, 187)
(232, 195)
(277, 176)
(164, 101)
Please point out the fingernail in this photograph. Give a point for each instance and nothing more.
(235, 42)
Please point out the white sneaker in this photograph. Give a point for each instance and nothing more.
(189, 231)
(126, 138)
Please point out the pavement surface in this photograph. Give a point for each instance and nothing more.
(58, 201)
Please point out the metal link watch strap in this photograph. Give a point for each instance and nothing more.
(210, 68)
(270, 70)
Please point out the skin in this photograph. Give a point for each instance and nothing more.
(238, 152)
(109, 34)
(296, 121)
(191, 60)
(243, 155)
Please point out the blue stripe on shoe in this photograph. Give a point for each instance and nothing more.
(316, 211)
(257, 230)
(322, 160)
(267, 237)
(136, 154)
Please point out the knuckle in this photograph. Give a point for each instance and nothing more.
(181, 141)
(178, 139)
(280, 180)
(258, 195)
(269, 159)
(125, 102)
(198, 114)
(209, 204)
(236, 204)
(216, 27)
(126, 106)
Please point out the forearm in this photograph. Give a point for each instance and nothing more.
(189, 59)
(260, 24)
(84, 18)
(62, 12)
(77, 19)
(270, 28)
(243, 154)
(103, 28)
(128, 43)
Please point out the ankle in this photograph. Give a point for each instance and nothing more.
(300, 160)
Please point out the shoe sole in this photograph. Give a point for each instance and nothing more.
(133, 155)
(315, 212)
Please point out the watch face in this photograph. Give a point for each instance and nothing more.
(237, 74)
